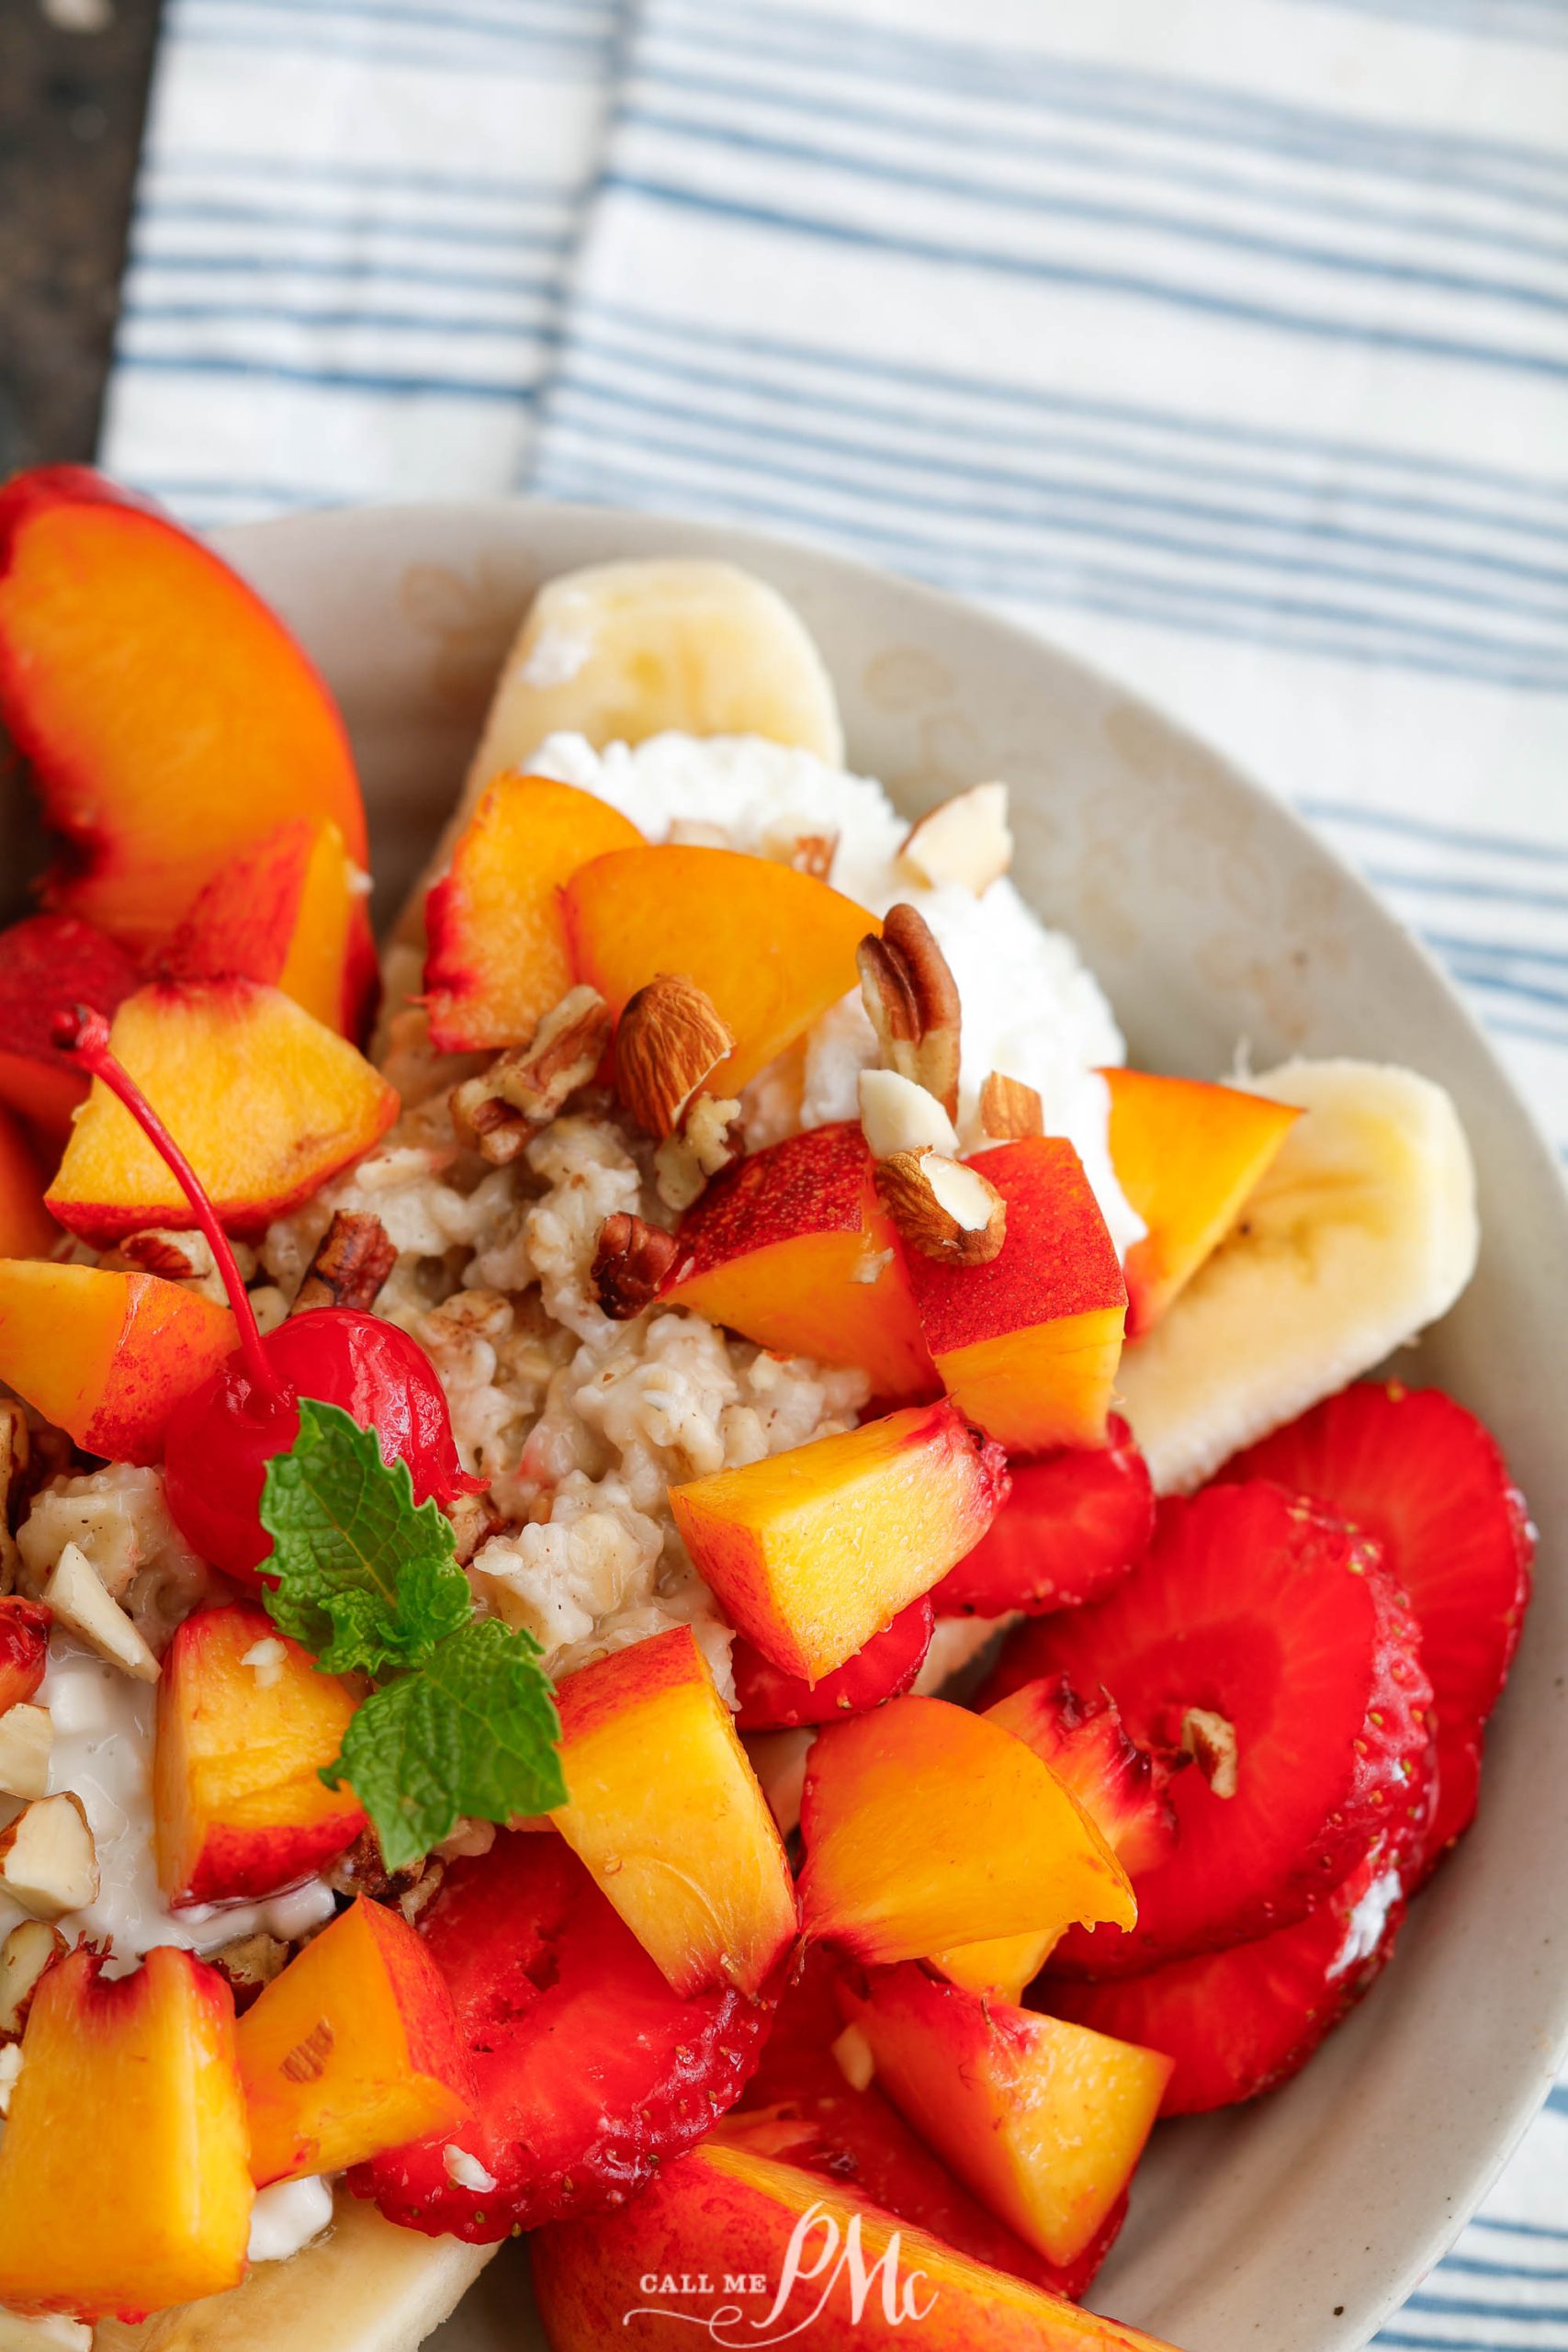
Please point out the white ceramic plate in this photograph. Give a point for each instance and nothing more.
(1210, 915)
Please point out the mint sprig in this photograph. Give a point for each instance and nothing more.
(369, 1581)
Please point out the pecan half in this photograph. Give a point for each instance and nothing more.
(631, 1262)
(671, 1039)
(527, 1086)
(912, 1000)
(1008, 1108)
(943, 1209)
(355, 1255)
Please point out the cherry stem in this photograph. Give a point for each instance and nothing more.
(84, 1035)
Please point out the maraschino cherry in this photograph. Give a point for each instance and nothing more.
(222, 1436)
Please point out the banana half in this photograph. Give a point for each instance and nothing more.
(1363, 1231)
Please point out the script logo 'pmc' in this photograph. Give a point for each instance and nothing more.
(836, 2258)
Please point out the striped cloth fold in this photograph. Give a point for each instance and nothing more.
(1224, 341)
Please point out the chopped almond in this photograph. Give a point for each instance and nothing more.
(48, 1860)
(27, 1735)
(943, 1209)
(79, 1601)
(895, 1114)
(25, 1954)
(965, 842)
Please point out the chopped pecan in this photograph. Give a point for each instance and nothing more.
(943, 1209)
(249, 1965)
(178, 1257)
(810, 853)
(524, 1088)
(1008, 1108)
(707, 1141)
(912, 1000)
(474, 1521)
(671, 1039)
(361, 1871)
(631, 1262)
(355, 1256)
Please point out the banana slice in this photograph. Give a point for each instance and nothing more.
(1363, 1231)
(365, 2287)
(621, 651)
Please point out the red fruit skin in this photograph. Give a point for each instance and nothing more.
(1416, 1471)
(588, 2071)
(47, 961)
(1239, 2022)
(222, 1436)
(769, 1700)
(24, 1647)
(1121, 1787)
(1078, 1521)
(1264, 1610)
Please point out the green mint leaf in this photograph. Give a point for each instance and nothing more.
(366, 1580)
(474, 1730)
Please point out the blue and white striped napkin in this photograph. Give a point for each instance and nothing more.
(1225, 340)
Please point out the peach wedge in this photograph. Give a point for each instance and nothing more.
(499, 958)
(1028, 1345)
(353, 2049)
(667, 1814)
(266, 1102)
(291, 911)
(124, 2183)
(1186, 1155)
(814, 1551)
(168, 716)
(771, 949)
(794, 2256)
(107, 1356)
(793, 1249)
(239, 1805)
(926, 1827)
(1045, 2126)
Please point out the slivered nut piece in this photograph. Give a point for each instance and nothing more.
(1211, 1740)
(355, 1256)
(855, 2060)
(943, 1209)
(669, 1041)
(76, 1595)
(47, 1861)
(25, 1954)
(527, 1086)
(631, 1262)
(707, 1141)
(1008, 1108)
(27, 1735)
(966, 841)
(912, 1000)
(10, 2068)
(898, 1115)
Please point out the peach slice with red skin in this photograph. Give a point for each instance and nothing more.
(819, 2261)
(353, 2049)
(666, 1812)
(291, 911)
(793, 1249)
(926, 1827)
(499, 958)
(1044, 2126)
(107, 1356)
(1186, 1155)
(1028, 1344)
(26, 1229)
(47, 961)
(812, 1552)
(266, 1102)
(168, 716)
(240, 1808)
(124, 2183)
(24, 1647)
(771, 948)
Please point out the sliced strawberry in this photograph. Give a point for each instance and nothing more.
(1281, 1630)
(769, 1700)
(1119, 1784)
(1421, 1474)
(1073, 1527)
(1238, 2022)
(589, 2069)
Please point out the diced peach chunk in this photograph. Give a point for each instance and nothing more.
(23, 1648)
(245, 1723)
(771, 949)
(667, 1813)
(793, 1249)
(1186, 1155)
(926, 1827)
(353, 2049)
(265, 1101)
(817, 2262)
(499, 956)
(169, 717)
(291, 911)
(812, 1552)
(26, 1229)
(47, 961)
(124, 2183)
(1028, 1344)
(107, 1356)
(1047, 2127)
